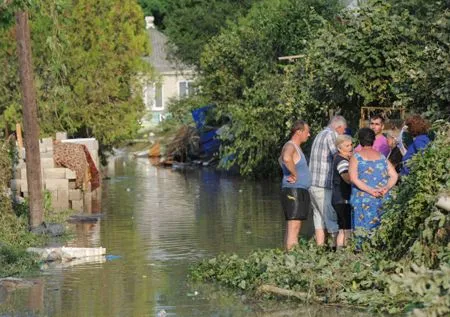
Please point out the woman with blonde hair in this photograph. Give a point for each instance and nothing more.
(342, 188)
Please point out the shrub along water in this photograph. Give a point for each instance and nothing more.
(405, 268)
(14, 234)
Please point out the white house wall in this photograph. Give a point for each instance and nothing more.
(170, 89)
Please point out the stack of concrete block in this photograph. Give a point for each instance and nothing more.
(59, 181)
(92, 146)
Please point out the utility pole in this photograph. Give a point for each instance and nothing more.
(30, 120)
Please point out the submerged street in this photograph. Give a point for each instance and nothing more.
(156, 223)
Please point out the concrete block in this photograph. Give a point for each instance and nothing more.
(48, 154)
(70, 174)
(46, 142)
(61, 136)
(63, 194)
(20, 163)
(56, 184)
(17, 184)
(72, 184)
(45, 145)
(62, 203)
(87, 203)
(54, 173)
(76, 205)
(54, 195)
(75, 194)
(47, 162)
(23, 173)
(20, 173)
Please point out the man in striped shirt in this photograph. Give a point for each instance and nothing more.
(321, 167)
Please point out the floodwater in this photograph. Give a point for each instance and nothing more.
(156, 222)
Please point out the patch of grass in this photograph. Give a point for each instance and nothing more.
(15, 261)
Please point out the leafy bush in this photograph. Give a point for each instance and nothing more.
(14, 261)
(413, 227)
(341, 277)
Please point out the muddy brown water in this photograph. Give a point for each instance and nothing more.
(157, 222)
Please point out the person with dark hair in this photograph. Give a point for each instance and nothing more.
(418, 128)
(372, 176)
(295, 184)
(381, 143)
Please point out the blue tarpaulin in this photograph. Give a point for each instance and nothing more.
(199, 115)
(209, 144)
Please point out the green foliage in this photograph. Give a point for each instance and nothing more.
(376, 56)
(413, 227)
(16, 261)
(8, 8)
(105, 59)
(241, 75)
(14, 229)
(180, 109)
(5, 176)
(432, 287)
(14, 234)
(156, 8)
(191, 24)
(87, 58)
(381, 53)
(341, 277)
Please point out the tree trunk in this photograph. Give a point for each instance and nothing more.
(30, 120)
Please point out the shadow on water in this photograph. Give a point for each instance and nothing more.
(156, 223)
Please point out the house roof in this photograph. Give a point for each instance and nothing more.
(159, 56)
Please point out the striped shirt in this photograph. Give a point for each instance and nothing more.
(342, 166)
(321, 160)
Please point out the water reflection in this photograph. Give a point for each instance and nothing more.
(159, 221)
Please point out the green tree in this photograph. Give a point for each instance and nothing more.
(107, 42)
(377, 57)
(88, 63)
(158, 9)
(191, 24)
(241, 73)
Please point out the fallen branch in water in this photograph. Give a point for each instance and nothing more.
(265, 288)
(289, 293)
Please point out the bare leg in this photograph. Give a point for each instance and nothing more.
(333, 236)
(347, 235)
(320, 237)
(343, 237)
(340, 241)
(292, 231)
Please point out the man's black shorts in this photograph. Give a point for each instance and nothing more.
(295, 203)
(344, 216)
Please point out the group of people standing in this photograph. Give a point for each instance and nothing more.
(346, 187)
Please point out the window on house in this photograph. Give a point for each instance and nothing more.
(186, 88)
(149, 92)
(158, 105)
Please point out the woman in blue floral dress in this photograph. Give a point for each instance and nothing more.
(372, 176)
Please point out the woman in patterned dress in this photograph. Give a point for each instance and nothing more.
(372, 176)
